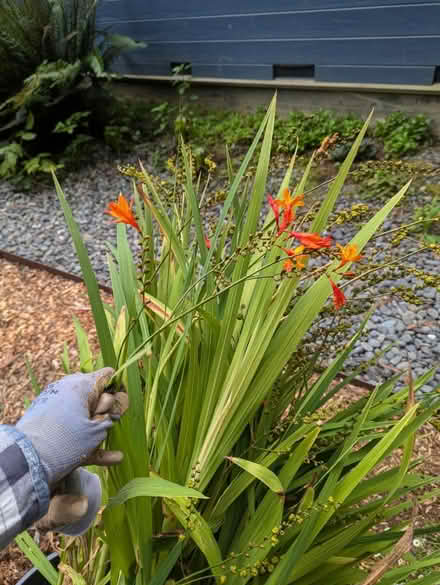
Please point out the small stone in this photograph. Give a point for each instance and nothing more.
(429, 293)
(432, 336)
(432, 313)
(408, 317)
(388, 326)
(400, 326)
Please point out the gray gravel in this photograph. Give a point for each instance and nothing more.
(32, 225)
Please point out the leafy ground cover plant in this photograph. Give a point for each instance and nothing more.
(403, 134)
(375, 179)
(430, 216)
(237, 469)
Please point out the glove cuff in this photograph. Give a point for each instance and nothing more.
(37, 471)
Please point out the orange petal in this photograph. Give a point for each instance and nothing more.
(339, 299)
(312, 241)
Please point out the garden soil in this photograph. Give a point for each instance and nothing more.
(36, 310)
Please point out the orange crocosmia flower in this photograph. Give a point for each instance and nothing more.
(288, 204)
(122, 212)
(288, 265)
(295, 253)
(349, 253)
(339, 299)
(312, 241)
(288, 217)
(207, 242)
(275, 208)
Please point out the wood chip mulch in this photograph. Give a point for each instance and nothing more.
(36, 310)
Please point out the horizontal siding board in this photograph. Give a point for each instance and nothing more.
(122, 9)
(240, 71)
(391, 51)
(391, 21)
(375, 74)
(125, 67)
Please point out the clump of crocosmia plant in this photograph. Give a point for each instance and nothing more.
(238, 466)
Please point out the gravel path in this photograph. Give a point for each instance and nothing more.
(32, 225)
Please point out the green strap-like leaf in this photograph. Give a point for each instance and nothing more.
(260, 472)
(30, 548)
(153, 487)
(164, 569)
(101, 324)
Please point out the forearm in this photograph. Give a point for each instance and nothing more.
(24, 491)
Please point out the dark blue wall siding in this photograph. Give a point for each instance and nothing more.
(387, 41)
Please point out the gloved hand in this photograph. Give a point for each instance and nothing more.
(73, 510)
(68, 421)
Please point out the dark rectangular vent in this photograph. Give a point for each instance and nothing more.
(181, 68)
(294, 71)
(437, 74)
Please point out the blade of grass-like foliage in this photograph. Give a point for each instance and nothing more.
(105, 340)
(341, 491)
(327, 206)
(355, 476)
(153, 487)
(303, 182)
(240, 483)
(331, 547)
(270, 116)
(432, 579)
(30, 548)
(127, 269)
(401, 572)
(82, 342)
(262, 473)
(189, 188)
(294, 327)
(73, 576)
(313, 398)
(162, 311)
(65, 359)
(334, 572)
(258, 530)
(166, 566)
(36, 388)
(353, 437)
(233, 299)
(199, 530)
(401, 547)
(162, 219)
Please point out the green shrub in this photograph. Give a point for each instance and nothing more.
(403, 134)
(51, 70)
